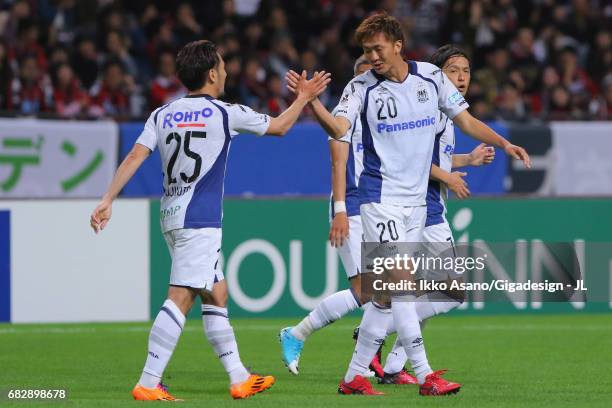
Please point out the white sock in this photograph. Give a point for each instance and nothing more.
(372, 331)
(328, 311)
(397, 358)
(427, 308)
(409, 332)
(221, 337)
(164, 336)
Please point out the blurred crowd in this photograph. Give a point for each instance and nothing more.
(531, 59)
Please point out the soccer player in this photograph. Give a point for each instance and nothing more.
(345, 234)
(193, 135)
(397, 104)
(456, 65)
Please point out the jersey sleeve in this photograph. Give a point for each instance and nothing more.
(243, 119)
(346, 137)
(450, 100)
(148, 136)
(441, 125)
(351, 102)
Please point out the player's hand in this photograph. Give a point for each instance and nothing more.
(101, 215)
(482, 154)
(308, 88)
(457, 184)
(339, 229)
(292, 79)
(518, 153)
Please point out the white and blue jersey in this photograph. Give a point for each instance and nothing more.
(354, 167)
(437, 192)
(399, 121)
(193, 135)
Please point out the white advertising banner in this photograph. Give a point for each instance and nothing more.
(582, 158)
(52, 159)
(61, 271)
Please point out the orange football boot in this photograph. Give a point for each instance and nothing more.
(255, 384)
(159, 393)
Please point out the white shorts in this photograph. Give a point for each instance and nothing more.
(195, 256)
(391, 223)
(350, 251)
(438, 233)
(441, 243)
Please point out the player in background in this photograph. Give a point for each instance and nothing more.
(193, 135)
(456, 65)
(345, 234)
(397, 103)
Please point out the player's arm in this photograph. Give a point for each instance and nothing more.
(478, 130)
(306, 90)
(334, 126)
(102, 214)
(339, 230)
(454, 181)
(482, 154)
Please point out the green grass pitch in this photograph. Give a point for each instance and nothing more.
(520, 360)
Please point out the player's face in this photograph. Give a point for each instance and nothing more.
(382, 53)
(363, 68)
(457, 69)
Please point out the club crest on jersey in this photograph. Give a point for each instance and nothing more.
(382, 90)
(422, 95)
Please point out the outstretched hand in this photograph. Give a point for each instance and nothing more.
(308, 88)
(518, 153)
(482, 154)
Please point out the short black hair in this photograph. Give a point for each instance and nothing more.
(194, 61)
(442, 54)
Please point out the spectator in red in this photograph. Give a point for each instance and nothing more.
(27, 44)
(166, 87)
(111, 95)
(69, 98)
(30, 93)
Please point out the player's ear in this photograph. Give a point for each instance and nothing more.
(212, 76)
(397, 47)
